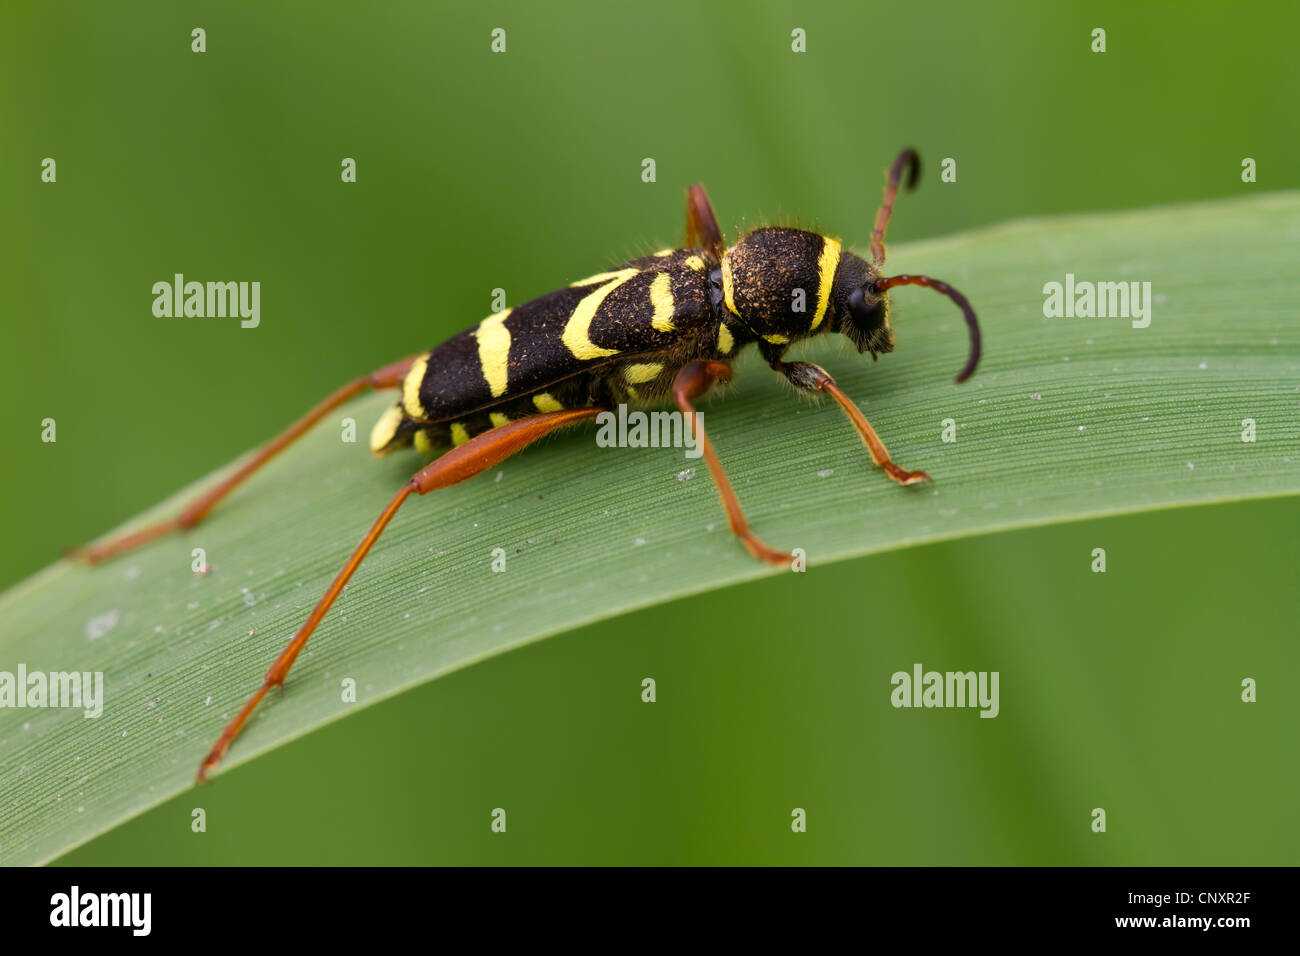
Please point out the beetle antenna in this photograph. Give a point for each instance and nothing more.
(883, 284)
(907, 157)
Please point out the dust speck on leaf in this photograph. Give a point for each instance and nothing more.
(101, 624)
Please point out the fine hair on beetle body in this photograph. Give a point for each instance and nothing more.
(665, 326)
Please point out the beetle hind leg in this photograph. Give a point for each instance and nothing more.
(390, 376)
(462, 462)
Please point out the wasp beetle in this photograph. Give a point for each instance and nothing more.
(664, 325)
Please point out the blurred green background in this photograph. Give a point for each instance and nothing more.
(522, 171)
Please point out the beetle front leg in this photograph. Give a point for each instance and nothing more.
(808, 377)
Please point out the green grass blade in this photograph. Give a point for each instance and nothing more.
(1066, 418)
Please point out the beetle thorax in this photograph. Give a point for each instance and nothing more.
(779, 282)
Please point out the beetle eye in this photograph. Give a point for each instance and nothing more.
(866, 315)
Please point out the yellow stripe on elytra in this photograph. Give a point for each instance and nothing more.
(642, 372)
(661, 297)
(725, 342)
(494, 352)
(776, 339)
(411, 387)
(664, 252)
(499, 419)
(576, 331)
(459, 435)
(545, 402)
(385, 429)
(621, 275)
(695, 262)
(423, 443)
(728, 287)
(826, 266)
